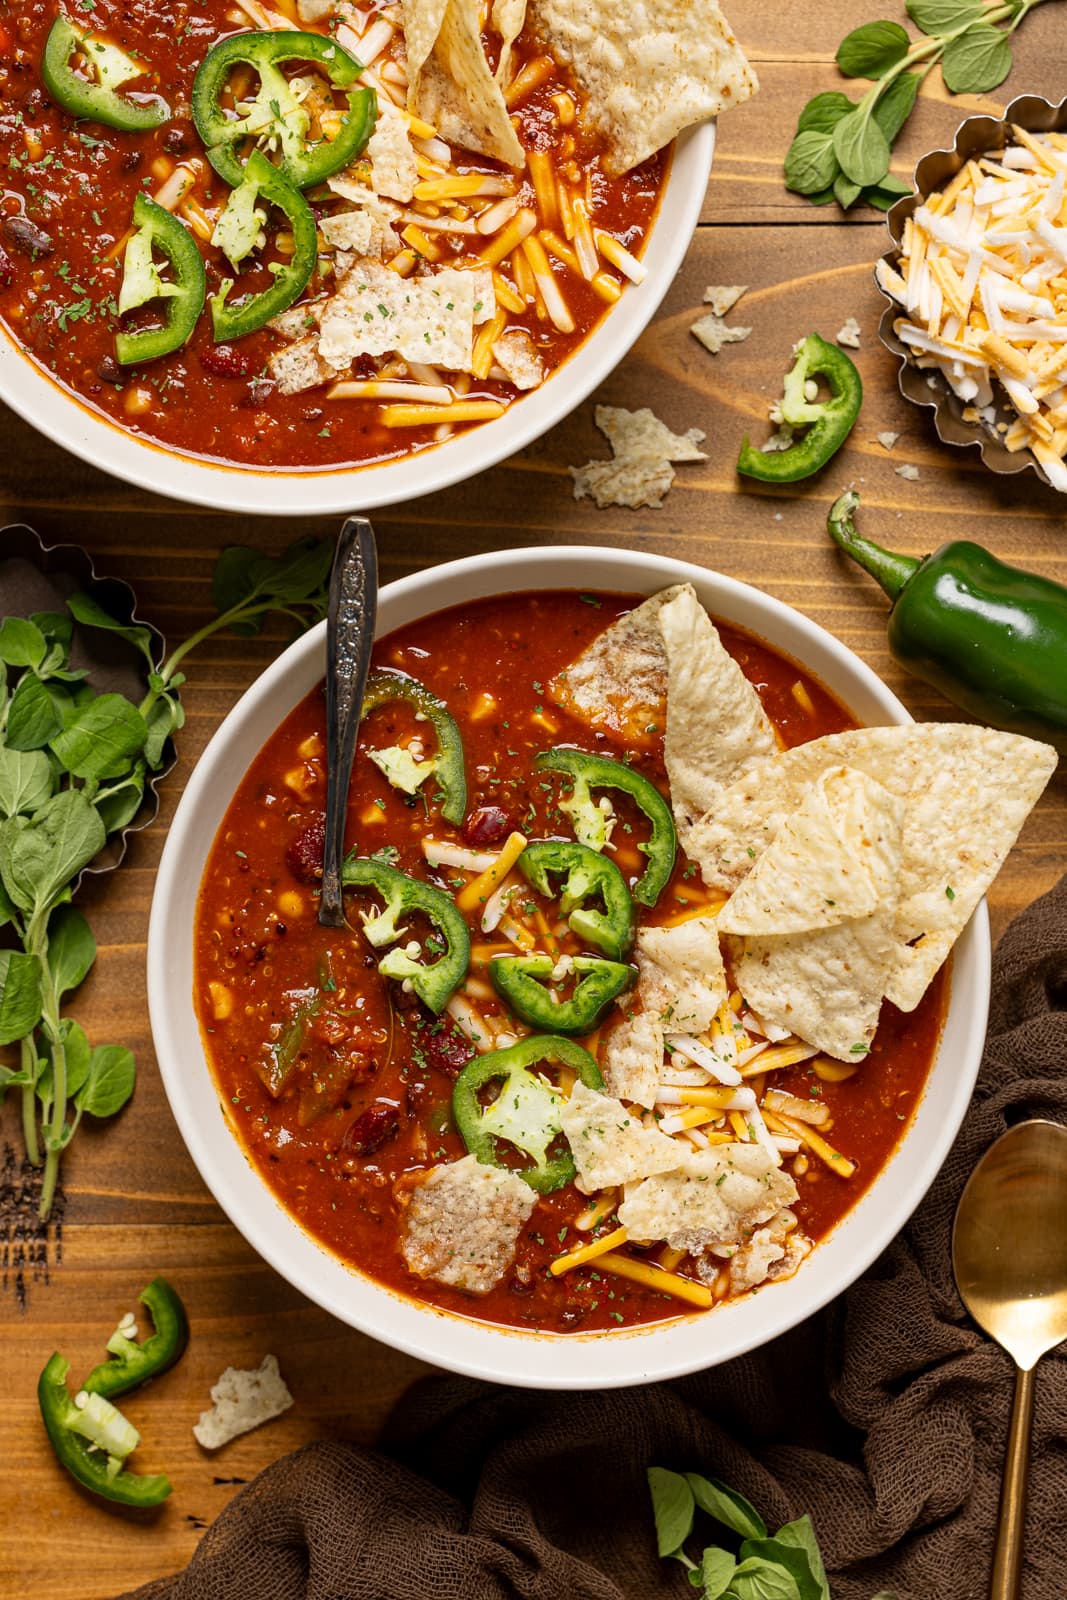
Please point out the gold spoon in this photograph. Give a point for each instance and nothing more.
(1009, 1254)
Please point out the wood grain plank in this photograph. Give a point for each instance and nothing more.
(136, 1203)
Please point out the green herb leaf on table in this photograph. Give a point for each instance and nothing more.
(727, 1506)
(861, 148)
(759, 1579)
(789, 1558)
(673, 1507)
(73, 769)
(715, 1572)
(110, 1081)
(942, 16)
(871, 51)
(977, 61)
(801, 1534)
(20, 995)
(969, 39)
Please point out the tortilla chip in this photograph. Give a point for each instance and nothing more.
(640, 471)
(681, 978)
(836, 857)
(967, 792)
(647, 71)
(509, 19)
(713, 1197)
(631, 1058)
(824, 985)
(680, 986)
(716, 726)
(610, 1144)
(620, 682)
(457, 93)
(422, 26)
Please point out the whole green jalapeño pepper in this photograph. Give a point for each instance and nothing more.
(182, 296)
(588, 772)
(237, 232)
(828, 422)
(131, 1363)
(526, 1110)
(991, 638)
(384, 687)
(93, 1441)
(276, 115)
(96, 99)
(586, 876)
(404, 896)
(520, 981)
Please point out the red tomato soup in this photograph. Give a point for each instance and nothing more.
(362, 1071)
(69, 186)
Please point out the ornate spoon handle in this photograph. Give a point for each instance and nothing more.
(349, 641)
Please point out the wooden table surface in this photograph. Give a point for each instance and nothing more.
(135, 1205)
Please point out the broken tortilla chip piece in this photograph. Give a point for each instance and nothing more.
(836, 857)
(619, 682)
(716, 725)
(640, 471)
(825, 985)
(713, 1197)
(647, 71)
(819, 912)
(422, 25)
(456, 92)
(509, 19)
(967, 792)
(680, 986)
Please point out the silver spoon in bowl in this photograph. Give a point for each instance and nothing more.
(1009, 1255)
(350, 624)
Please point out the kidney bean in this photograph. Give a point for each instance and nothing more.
(444, 1046)
(371, 1130)
(223, 361)
(25, 236)
(304, 854)
(485, 827)
(109, 369)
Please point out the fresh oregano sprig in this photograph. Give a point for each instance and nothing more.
(842, 146)
(786, 1565)
(73, 769)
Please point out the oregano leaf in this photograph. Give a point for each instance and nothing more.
(938, 17)
(846, 193)
(872, 50)
(894, 107)
(861, 148)
(977, 60)
(824, 112)
(673, 1508)
(811, 164)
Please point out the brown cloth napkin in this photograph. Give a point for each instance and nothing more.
(885, 1417)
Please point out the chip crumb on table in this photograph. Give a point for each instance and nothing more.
(712, 330)
(849, 334)
(640, 471)
(242, 1400)
(907, 470)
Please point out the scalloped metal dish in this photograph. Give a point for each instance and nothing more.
(976, 136)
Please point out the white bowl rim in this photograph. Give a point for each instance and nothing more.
(54, 411)
(483, 1350)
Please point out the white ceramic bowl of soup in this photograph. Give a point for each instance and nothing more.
(508, 1355)
(67, 420)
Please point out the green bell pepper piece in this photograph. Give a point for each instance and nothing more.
(526, 1111)
(263, 181)
(588, 772)
(992, 638)
(587, 876)
(405, 896)
(183, 296)
(519, 981)
(96, 99)
(276, 114)
(133, 1364)
(383, 687)
(828, 422)
(94, 1441)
